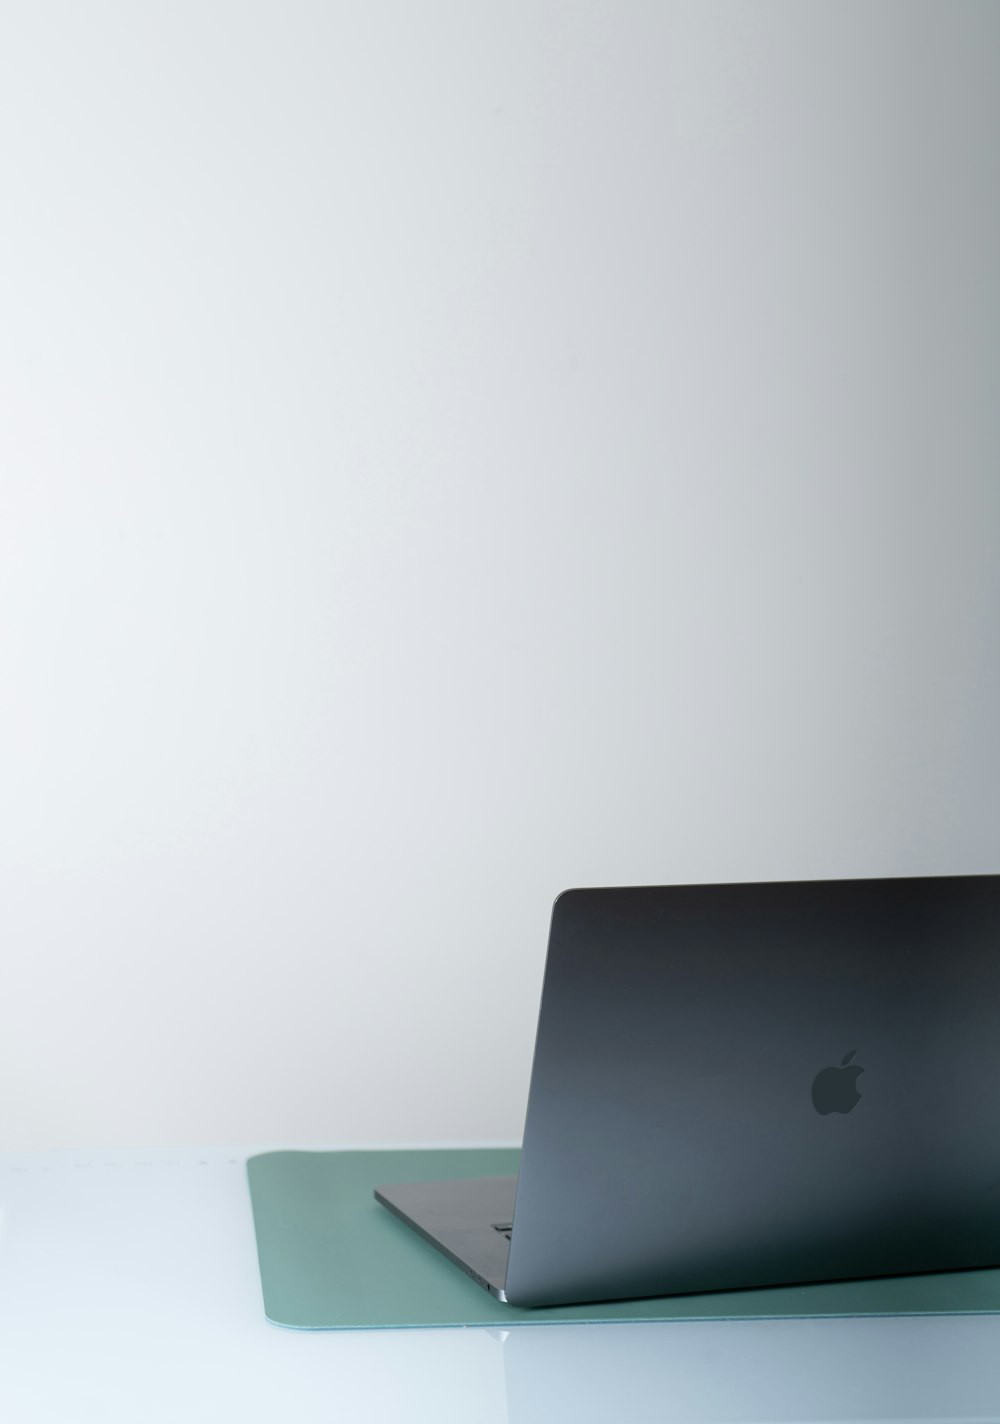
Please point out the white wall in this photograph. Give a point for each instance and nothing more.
(448, 452)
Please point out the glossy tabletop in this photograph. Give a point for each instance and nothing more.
(129, 1290)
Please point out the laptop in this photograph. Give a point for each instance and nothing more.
(747, 1085)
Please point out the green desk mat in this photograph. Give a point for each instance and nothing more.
(331, 1258)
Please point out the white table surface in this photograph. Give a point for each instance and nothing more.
(129, 1291)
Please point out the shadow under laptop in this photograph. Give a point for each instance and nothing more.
(944, 1368)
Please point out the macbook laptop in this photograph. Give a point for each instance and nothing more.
(747, 1085)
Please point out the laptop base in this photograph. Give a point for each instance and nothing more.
(467, 1220)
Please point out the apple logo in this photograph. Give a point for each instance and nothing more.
(836, 1089)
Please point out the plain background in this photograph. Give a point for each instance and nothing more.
(450, 452)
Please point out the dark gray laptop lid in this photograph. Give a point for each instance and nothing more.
(679, 1134)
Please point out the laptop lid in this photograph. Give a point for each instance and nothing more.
(743, 1085)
